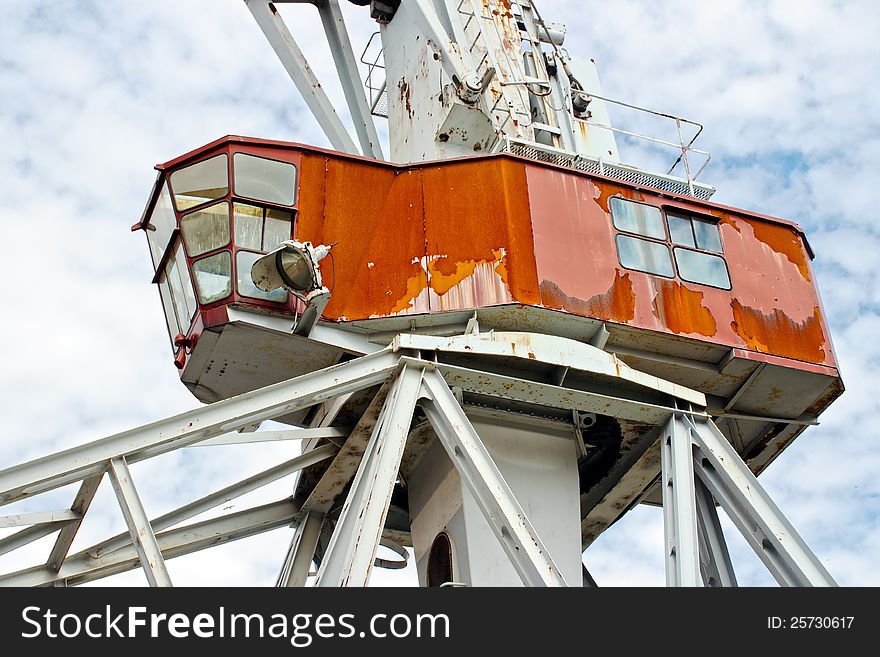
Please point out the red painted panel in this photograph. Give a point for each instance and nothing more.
(772, 308)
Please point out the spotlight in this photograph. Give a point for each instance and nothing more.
(293, 266)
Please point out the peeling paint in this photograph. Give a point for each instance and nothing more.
(617, 304)
(383, 206)
(784, 241)
(414, 286)
(501, 269)
(681, 309)
(778, 334)
(445, 274)
(405, 96)
(604, 191)
(474, 213)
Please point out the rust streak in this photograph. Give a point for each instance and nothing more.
(446, 274)
(474, 214)
(785, 241)
(414, 286)
(617, 304)
(681, 309)
(778, 334)
(501, 270)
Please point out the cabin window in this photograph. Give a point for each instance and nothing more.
(703, 268)
(244, 260)
(695, 243)
(206, 229)
(200, 183)
(170, 315)
(160, 226)
(638, 218)
(697, 263)
(263, 179)
(261, 229)
(176, 290)
(644, 255)
(693, 232)
(214, 277)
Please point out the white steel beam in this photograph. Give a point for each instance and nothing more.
(324, 416)
(550, 349)
(715, 564)
(346, 462)
(493, 495)
(138, 522)
(25, 519)
(349, 558)
(82, 567)
(297, 67)
(81, 503)
(349, 77)
(221, 496)
(765, 528)
(523, 390)
(679, 505)
(221, 417)
(301, 552)
(237, 438)
(29, 535)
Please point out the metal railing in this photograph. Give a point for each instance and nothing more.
(377, 90)
(684, 148)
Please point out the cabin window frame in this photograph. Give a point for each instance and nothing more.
(673, 245)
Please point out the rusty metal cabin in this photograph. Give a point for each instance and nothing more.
(711, 297)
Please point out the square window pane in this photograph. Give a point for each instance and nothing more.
(200, 182)
(708, 236)
(278, 228)
(161, 224)
(637, 218)
(642, 255)
(680, 230)
(214, 277)
(263, 179)
(702, 268)
(248, 221)
(207, 229)
(244, 260)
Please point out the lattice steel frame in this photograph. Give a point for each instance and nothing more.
(698, 467)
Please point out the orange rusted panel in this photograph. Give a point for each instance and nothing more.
(478, 234)
(375, 215)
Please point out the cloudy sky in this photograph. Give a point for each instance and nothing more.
(96, 92)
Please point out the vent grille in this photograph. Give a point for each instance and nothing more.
(440, 561)
(616, 171)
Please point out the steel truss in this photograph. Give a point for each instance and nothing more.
(699, 467)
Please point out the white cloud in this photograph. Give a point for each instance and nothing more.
(94, 95)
